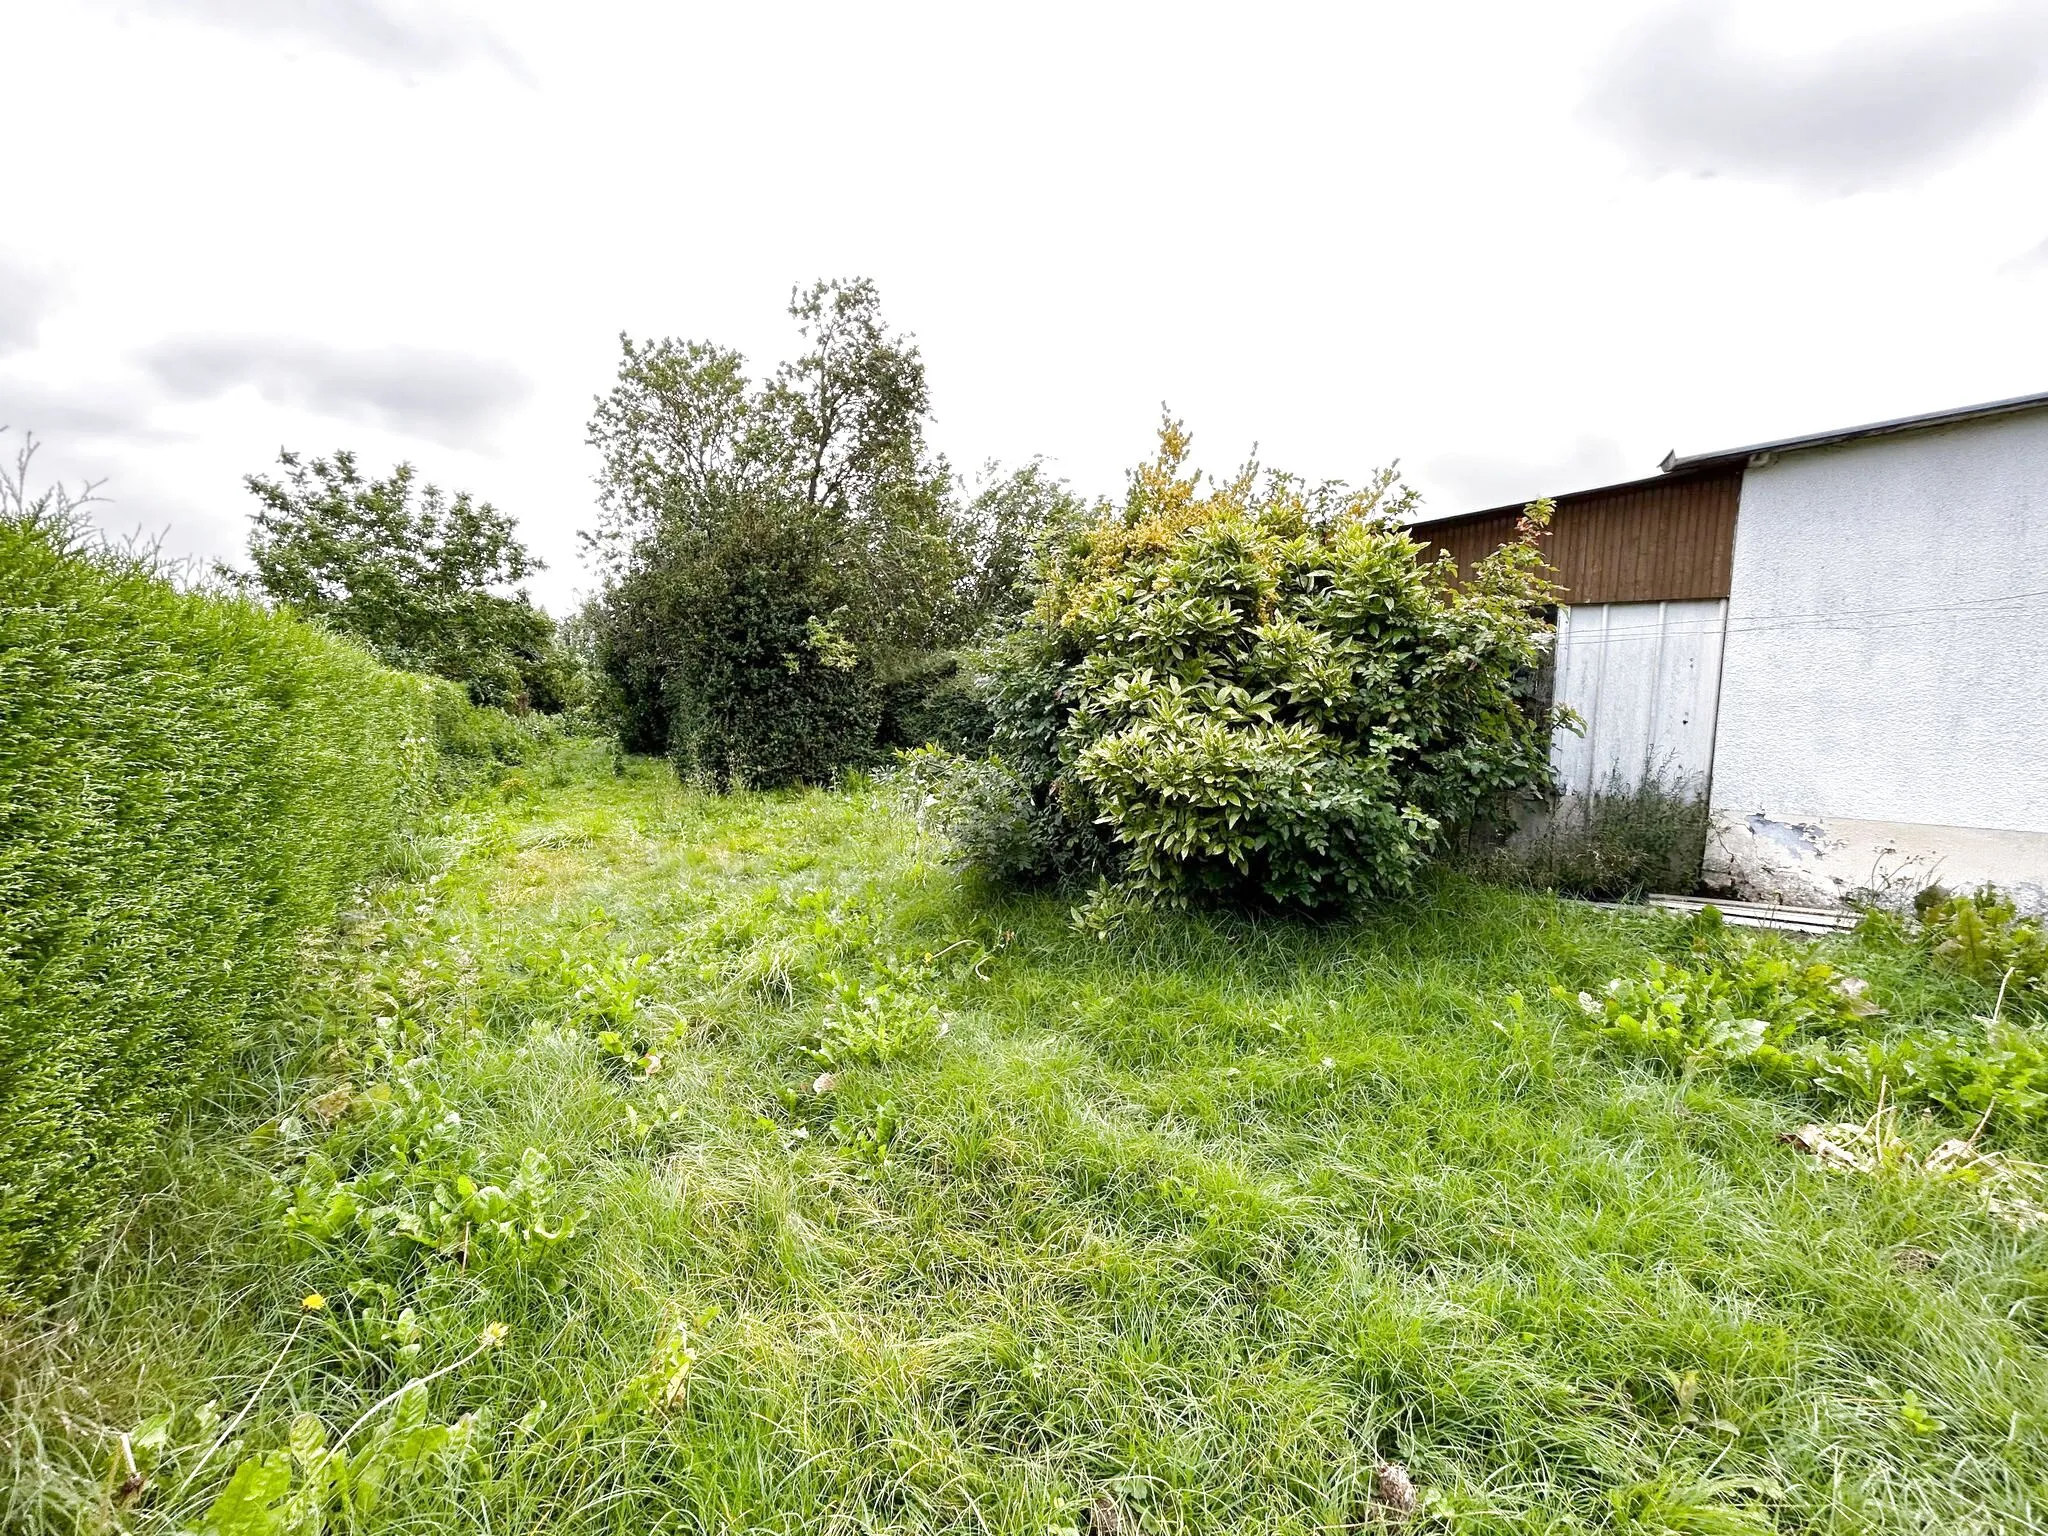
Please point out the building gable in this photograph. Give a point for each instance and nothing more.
(1666, 539)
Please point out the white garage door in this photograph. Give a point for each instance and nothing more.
(1646, 680)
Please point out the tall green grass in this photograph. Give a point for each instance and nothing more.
(880, 1203)
(188, 785)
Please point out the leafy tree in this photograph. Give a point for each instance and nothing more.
(1255, 689)
(839, 432)
(679, 441)
(1004, 531)
(816, 482)
(1008, 527)
(414, 574)
(846, 418)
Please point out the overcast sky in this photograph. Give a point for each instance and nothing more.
(1522, 249)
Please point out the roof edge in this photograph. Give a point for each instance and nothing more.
(1674, 464)
(1516, 508)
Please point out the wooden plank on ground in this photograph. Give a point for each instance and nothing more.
(1765, 914)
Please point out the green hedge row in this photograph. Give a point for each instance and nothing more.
(188, 784)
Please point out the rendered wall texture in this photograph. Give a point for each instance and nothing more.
(1885, 671)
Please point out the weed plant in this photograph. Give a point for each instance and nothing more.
(1768, 1007)
(857, 1199)
(1617, 843)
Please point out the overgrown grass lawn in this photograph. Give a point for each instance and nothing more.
(870, 1202)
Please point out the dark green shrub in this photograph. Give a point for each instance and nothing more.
(774, 551)
(935, 700)
(765, 690)
(1264, 691)
(189, 783)
(881, 572)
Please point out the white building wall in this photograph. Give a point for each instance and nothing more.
(1642, 678)
(1884, 699)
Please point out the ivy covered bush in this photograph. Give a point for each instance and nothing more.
(1251, 689)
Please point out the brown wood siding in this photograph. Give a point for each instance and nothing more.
(1669, 540)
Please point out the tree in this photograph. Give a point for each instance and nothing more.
(1009, 527)
(414, 574)
(678, 441)
(693, 456)
(847, 417)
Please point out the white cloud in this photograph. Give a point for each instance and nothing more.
(417, 36)
(1685, 96)
(1474, 481)
(73, 414)
(2030, 261)
(1346, 233)
(27, 294)
(444, 397)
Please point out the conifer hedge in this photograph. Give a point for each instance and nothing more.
(189, 784)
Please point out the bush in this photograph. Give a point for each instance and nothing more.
(1615, 843)
(776, 553)
(189, 783)
(1262, 691)
(789, 573)
(934, 700)
(985, 810)
(758, 686)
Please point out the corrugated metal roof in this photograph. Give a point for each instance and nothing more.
(1674, 465)
(1729, 457)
